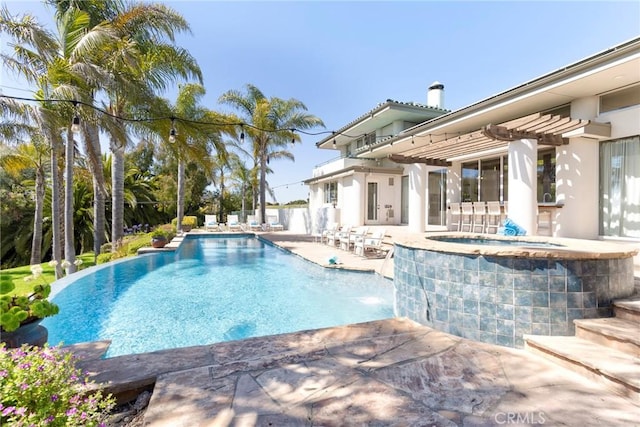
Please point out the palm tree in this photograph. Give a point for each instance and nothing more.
(190, 142)
(39, 57)
(33, 155)
(150, 66)
(240, 178)
(271, 125)
(138, 62)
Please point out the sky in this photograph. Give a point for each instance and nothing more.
(341, 59)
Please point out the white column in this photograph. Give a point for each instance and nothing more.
(454, 182)
(577, 189)
(523, 158)
(358, 200)
(417, 197)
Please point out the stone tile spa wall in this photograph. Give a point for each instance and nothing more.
(497, 299)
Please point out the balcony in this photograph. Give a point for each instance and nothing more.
(339, 164)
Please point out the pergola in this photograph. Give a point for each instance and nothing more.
(547, 129)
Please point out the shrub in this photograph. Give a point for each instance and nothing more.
(190, 221)
(42, 386)
(187, 221)
(106, 248)
(134, 245)
(17, 310)
(105, 257)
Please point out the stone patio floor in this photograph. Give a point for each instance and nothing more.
(392, 372)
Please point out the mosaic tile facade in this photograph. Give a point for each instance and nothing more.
(499, 299)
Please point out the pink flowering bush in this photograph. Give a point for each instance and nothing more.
(43, 387)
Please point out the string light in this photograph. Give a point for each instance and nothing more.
(75, 123)
(172, 132)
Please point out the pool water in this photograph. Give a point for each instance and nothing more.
(212, 289)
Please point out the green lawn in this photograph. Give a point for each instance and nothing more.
(17, 274)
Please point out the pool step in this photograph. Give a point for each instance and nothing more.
(628, 309)
(614, 368)
(606, 350)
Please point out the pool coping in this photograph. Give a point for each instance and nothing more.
(568, 248)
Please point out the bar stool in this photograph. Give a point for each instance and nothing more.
(493, 218)
(466, 216)
(454, 216)
(479, 214)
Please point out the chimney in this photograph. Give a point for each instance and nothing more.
(435, 95)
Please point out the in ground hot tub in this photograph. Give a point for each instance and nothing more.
(495, 289)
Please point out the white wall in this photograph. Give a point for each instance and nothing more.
(523, 159)
(454, 182)
(417, 197)
(624, 122)
(577, 170)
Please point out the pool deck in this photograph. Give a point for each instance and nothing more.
(388, 372)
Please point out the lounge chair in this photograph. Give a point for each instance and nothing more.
(273, 224)
(371, 243)
(330, 230)
(334, 239)
(233, 224)
(348, 242)
(211, 223)
(253, 224)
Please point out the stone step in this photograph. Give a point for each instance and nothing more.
(616, 369)
(621, 334)
(628, 309)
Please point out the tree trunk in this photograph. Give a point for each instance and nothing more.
(94, 154)
(36, 242)
(180, 207)
(244, 203)
(263, 181)
(55, 208)
(117, 193)
(69, 249)
(221, 213)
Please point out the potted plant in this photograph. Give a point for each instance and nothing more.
(188, 222)
(159, 238)
(20, 315)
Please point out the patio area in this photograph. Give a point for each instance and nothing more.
(388, 372)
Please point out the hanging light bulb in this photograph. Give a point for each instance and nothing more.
(75, 123)
(412, 141)
(334, 143)
(172, 132)
(241, 133)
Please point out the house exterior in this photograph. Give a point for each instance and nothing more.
(566, 143)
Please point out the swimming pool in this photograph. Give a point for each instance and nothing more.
(212, 289)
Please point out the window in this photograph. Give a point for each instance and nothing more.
(470, 181)
(620, 188)
(331, 192)
(546, 172)
(488, 179)
(620, 99)
(368, 139)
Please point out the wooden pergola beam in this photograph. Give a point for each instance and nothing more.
(398, 158)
